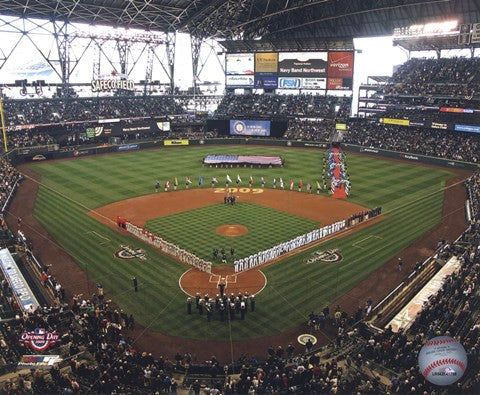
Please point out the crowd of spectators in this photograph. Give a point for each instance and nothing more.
(300, 105)
(453, 311)
(25, 139)
(425, 141)
(9, 177)
(473, 187)
(432, 142)
(309, 130)
(43, 111)
(442, 77)
(425, 115)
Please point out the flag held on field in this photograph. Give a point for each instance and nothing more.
(291, 184)
(239, 180)
(251, 181)
(229, 180)
(200, 180)
(176, 182)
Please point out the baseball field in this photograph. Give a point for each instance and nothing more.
(73, 194)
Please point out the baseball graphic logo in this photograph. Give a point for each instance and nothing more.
(442, 360)
(303, 339)
(239, 127)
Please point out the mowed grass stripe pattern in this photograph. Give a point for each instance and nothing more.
(410, 195)
(195, 230)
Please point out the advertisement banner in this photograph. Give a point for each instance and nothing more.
(394, 121)
(340, 64)
(266, 62)
(341, 126)
(289, 83)
(38, 361)
(467, 128)
(128, 147)
(314, 83)
(302, 64)
(28, 301)
(240, 81)
(454, 109)
(249, 128)
(239, 64)
(266, 82)
(417, 123)
(339, 83)
(176, 142)
(437, 125)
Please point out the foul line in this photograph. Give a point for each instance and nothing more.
(356, 244)
(67, 198)
(107, 240)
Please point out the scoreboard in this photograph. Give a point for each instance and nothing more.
(331, 70)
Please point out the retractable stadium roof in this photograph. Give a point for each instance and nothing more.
(250, 19)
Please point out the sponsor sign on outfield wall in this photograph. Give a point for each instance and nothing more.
(249, 128)
(394, 121)
(176, 142)
(438, 125)
(467, 128)
(340, 64)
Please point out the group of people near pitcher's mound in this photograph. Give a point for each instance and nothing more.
(223, 306)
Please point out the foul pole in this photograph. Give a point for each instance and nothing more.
(4, 131)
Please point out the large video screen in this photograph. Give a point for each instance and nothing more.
(249, 128)
(239, 64)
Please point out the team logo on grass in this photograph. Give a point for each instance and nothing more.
(328, 256)
(127, 252)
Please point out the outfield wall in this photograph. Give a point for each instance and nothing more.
(25, 155)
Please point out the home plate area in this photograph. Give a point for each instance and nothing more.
(194, 281)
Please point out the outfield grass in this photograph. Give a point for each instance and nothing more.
(194, 230)
(411, 197)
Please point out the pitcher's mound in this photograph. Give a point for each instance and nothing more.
(231, 230)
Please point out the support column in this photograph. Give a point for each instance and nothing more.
(60, 34)
(171, 40)
(196, 44)
(123, 47)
